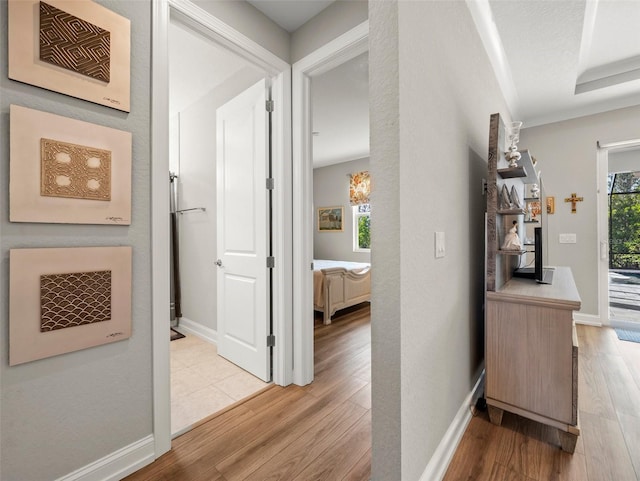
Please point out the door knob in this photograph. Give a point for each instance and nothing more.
(219, 263)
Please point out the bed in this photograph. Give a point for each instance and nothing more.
(338, 285)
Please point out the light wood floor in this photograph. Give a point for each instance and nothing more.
(318, 432)
(608, 448)
(322, 431)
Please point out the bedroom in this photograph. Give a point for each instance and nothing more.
(340, 124)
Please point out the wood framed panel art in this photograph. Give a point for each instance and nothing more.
(75, 47)
(67, 299)
(67, 171)
(330, 219)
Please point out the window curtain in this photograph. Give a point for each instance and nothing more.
(359, 188)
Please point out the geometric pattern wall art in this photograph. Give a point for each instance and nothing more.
(75, 47)
(70, 42)
(74, 299)
(76, 171)
(63, 170)
(67, 299)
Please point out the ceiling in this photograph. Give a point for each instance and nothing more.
(290, 14)
(340, 113)
(562, 59)
(554, 60)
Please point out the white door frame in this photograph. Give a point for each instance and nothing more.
(213, 28)
(603, 225)
(343, 48)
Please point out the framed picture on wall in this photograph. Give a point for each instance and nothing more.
(81, 49)
(67, 299)
(64, 170)
(330, 219)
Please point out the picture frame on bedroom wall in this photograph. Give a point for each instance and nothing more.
(67, 171)
(330, 219)
(77, 48)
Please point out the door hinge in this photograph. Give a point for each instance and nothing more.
(270, 105)
(271, 262)
(271, 340)
(312, 266)
(270, 183)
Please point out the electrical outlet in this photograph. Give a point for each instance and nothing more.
(567, 238)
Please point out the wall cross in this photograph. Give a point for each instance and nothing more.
(573, 199)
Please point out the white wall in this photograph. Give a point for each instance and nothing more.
(197, 188)
(433, 91)
(247, 19)
(338, 18)
(331, 188)
(64, 412)
(566, 152)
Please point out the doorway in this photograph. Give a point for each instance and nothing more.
(342, 49)
(619, 267)
(212, 29)
(623, 190)
(202, 85)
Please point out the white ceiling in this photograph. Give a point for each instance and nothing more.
(554, 60)
(562, 59)
(340, 113)
(290, 14)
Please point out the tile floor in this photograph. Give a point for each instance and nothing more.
(202, 383)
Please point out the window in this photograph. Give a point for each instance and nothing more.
(624, 220)
(361, 226)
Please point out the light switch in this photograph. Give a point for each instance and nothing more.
(440, 250)
(567, 238)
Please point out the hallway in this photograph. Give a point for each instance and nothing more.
(320, 431)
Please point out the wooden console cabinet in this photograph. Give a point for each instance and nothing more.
(531, 348)
(531, 353)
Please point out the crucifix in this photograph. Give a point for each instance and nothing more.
(573, 199)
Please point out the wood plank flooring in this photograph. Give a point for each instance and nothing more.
(323, 431)
(318, 432)
(608, 448)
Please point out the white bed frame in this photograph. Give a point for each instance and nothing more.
(343, 288)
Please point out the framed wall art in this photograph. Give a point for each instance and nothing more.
(67, 299)
(75, 47)
(67, 171)
(551, 205)
(330, 219)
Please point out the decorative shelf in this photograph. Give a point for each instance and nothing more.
(511, 252)
(512, 172)
(511, 211)
(532, 199)
(524, 170)
(531, 221)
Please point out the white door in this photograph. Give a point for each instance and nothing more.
(242, 126)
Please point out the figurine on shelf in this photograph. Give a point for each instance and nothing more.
(512, 241)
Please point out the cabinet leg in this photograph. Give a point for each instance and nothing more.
(568, 441)
(495, 415)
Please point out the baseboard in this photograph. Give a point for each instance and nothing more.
(439, 463)
(587, 319)
(197, 329)
(118, 464)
